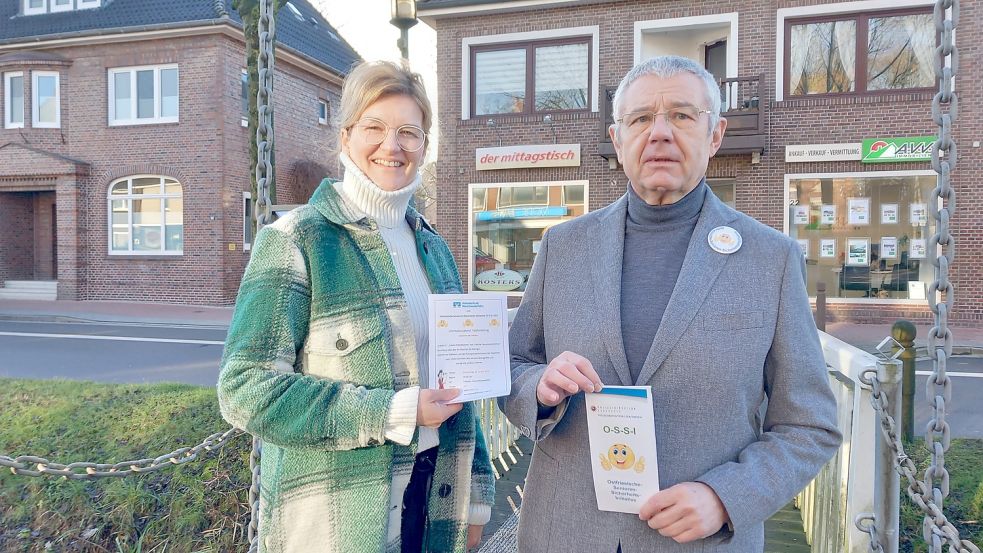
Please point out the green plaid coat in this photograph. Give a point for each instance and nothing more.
(307, 367)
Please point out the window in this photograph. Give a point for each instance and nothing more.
(45, 100)
(724, 190)
(143, 95)
(244, 93)
(146, 216)
(867, 236)
(533, 77)
(322, 112)
(860, 53)
(247, 220)
(507, 222)
(33, 7)
(13, 96)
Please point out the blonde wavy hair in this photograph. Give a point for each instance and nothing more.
(371, 81)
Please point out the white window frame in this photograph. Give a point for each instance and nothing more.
(826, 9)
(54, 8)
(467, 43)
(680, 23)
(28, 10)
(247, 197)
(87, 4)
(322, 120)
(36, 105)
(8, 100)
(486, 185)
(243, 118)
(110, 198)
(856, 174)
(133, 120)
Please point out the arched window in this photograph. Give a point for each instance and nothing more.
(146, 216)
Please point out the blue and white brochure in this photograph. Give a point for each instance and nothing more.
(469, 345)
(621, 430)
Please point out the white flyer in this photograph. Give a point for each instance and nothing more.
(621, 430)
(828, 214)
(469, 345)
(800, 214)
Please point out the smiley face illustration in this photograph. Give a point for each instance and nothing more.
(620, 456)
(442, 323)
(468, 323)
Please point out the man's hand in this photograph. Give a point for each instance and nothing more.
(432, 408)
(567, 374)
(685, 512)
(474, 535)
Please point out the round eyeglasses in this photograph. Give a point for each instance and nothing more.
(683, 118)
(374, 131)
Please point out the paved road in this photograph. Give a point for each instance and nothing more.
(111, 352)
(126, 353)
(965, 411)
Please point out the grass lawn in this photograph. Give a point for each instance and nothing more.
(200, 506)
(963, 507)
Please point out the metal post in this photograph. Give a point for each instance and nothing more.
(887, 481)
(404, 43)
(904, 332)
(821, 306)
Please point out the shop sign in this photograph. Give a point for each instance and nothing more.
(800, 153)
(498, 280)
(522, 213)
(531, 155)
(890, 150)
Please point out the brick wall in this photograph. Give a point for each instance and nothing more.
(206, 151)
(760, 187)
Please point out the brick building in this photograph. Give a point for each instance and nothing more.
(825, 103)
(124, 157)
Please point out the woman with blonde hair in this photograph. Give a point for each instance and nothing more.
(328, 349)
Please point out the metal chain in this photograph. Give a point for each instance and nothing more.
(253, 532)
(871, 529)
(264, 107)
(90, 471)
(938, 388)
(937, 528)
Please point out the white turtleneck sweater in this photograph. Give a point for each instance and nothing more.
(388, 209)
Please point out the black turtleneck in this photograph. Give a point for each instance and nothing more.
(656, 240)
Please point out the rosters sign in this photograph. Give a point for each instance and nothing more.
(532, 155)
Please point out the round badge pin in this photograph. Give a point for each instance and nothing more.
(725, 240)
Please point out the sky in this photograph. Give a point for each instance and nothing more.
(365, 25)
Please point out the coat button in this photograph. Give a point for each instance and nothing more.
(341, 343)
(445, 490)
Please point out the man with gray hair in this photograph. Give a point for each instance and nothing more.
(686, 295)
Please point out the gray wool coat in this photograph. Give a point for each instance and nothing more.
(738, 331)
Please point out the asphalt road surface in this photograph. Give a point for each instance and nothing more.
(125, 353)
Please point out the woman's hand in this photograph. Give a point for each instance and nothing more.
(432, 409)
(474, 535)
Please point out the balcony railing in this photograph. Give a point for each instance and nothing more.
(741, 105)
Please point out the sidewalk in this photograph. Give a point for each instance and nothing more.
(865, 336)
(64, 311)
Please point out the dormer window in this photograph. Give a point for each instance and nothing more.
(35, 7)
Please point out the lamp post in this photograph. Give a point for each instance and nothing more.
(404, 17)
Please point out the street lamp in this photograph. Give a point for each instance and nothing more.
(404, 17)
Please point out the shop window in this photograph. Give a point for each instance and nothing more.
(724, 190)
(146, 216)
(507, 222)
(45, 99)
(143, 95)
(13, 95)
(532, 77)
(865, 235)
(860, 53)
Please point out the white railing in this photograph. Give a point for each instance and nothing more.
(844, 487)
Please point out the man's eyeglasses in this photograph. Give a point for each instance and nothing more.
(374, 131)
(683, 118)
